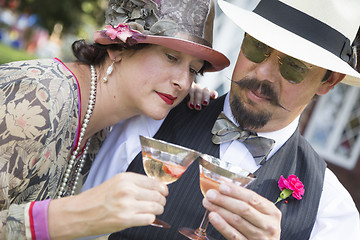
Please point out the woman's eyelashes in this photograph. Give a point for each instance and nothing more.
(171, 57)
(175, 59)
(193, 71)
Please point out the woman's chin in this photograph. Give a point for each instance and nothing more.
(158, 115)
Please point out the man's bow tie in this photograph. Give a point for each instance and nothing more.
(224, 131)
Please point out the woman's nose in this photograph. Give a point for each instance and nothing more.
(182, 79)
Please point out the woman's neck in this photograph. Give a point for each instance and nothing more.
(82, 73)
(107, 111)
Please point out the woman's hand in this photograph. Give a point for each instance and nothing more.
(126, 200)
(200, 96)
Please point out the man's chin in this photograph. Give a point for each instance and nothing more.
(247, 116)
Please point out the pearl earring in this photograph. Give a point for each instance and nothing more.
(109, 71)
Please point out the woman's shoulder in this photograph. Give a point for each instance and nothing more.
(49, 79)
(22, 67)
(39, 111)
(37, 69)
(43, 88)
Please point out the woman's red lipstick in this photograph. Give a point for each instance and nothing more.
(168, 99)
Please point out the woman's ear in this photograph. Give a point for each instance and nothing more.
(331, 82)
(115, 55)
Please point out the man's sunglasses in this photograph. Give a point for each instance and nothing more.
(291, 68)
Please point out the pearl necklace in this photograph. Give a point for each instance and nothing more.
(68, 185)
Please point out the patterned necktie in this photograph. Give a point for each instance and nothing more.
(224, 131)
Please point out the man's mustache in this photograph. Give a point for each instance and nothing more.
(265, 89)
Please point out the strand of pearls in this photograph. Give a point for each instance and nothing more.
(68, 185)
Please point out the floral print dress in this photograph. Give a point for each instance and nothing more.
(39, 116)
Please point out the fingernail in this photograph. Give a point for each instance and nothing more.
(224, 188)
(213, 217)
(213, 95)
(191, 105)
(205, 102)
(197, 106)
(206, 203)
(211, 195)
(165, 189)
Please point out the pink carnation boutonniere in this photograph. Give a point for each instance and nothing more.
(291, 185)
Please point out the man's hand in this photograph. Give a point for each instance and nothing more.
(239, 213)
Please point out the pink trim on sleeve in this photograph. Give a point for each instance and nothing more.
(31, 218)
(40, 220)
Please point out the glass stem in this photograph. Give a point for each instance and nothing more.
(201, 231)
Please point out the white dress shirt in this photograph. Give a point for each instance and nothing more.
(337, 216)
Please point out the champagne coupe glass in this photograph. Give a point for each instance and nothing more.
(213, 171)
(165, 162)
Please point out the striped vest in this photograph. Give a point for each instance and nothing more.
(192, 129)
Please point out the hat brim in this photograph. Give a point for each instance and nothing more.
(217, 60)
(287, 42)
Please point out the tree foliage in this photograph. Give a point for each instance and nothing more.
(67, 12)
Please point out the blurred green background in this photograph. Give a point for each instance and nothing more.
(46, 28)
(9, 54)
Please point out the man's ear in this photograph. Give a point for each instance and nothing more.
(331, 82)
(115, 55)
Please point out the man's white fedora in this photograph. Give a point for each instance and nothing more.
(320, 32)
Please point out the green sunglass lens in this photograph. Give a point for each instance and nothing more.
(293, 70)
(254, 50)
